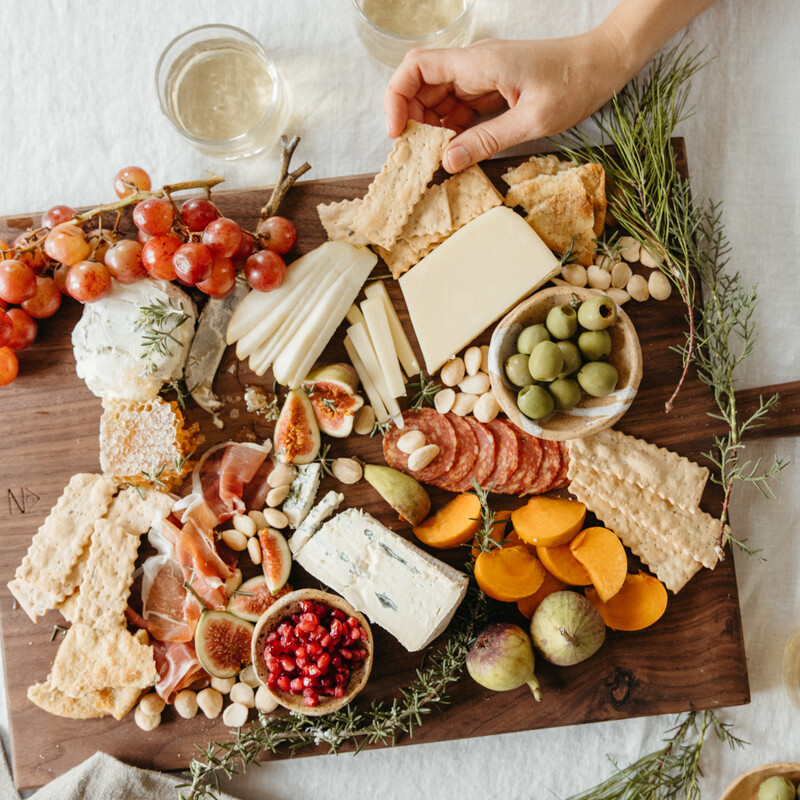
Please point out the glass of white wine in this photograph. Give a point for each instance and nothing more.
(390, 28)
(219, 89)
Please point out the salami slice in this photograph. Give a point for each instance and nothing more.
(484, 463)
(437, 430)
(529, 462)
(506, 453)
(560, 480)
(466, 453)
(551, 462)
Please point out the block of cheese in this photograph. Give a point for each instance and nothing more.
(315, 518)
(303, 492)
(398, 586)
(472, 279)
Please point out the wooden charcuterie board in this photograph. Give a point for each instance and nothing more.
(49, 421)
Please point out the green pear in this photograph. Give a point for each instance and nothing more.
(405, 495)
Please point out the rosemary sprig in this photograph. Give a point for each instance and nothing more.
(159, 320)
(155, 477)
(380, 428)
(425, 390)
(324, 460)
(484, 537)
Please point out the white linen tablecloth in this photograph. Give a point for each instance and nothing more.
(78, 103)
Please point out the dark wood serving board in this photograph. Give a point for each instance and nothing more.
(49, 421)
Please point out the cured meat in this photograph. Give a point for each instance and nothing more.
(240, 464)
(437, 429)
(177, 666)
(170, 613)
(529, 462)
(551, 461)
(484, 463)
(506, 453)
(203, 568)
(255, 492)
(466, 453)
(561, 480)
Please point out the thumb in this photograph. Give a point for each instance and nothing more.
(485, 140)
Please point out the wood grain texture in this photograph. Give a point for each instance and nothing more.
(692, 658)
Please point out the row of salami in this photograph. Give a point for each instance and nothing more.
(495, 454)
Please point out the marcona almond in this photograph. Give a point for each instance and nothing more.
(620, 275)
(486, 408)
(598, 277)
(210, 702)
(475, 384)
(452, 373)
(277, 495)
(233, 582)
(464, 404)
(151, 703)
(244, 694)
(629, 248)
(223, 685)
(258, 516)
(443, 400)
(647, 258)
(248, 676)
(364, 421)
(236, 540)
(485, 358)
(264, 700)
(619, 296)
(411, 441)
(347, 470)
(472, 360)
(245, 524)
(575, 275)
(186, 703)
(275, 518)
(659, 285)
(254, 550)
(147, 722)
(420, 459)
(281, 475)
(604, 262)
(235, 715)
(637, 288)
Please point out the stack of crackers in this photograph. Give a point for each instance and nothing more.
(403, 218)
(650, 497)
(81, 561)
(564, 203)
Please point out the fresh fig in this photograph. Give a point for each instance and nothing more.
(501, 658)
(276, 558)
(334, 409)
(340, 374)
(567, 628)
(222, 642)
(253, 598)
(405, 495)
(296, 431)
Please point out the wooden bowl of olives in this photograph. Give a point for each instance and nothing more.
(565, 363)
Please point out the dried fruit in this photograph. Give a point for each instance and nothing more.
(222, 641)
(276, 558)
(405, 495)
(296, 437)
(253, 598)
(567, 628)
(501, 658)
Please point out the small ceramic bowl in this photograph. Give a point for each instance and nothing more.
(745, 787)
(290, 604)
(592, 414)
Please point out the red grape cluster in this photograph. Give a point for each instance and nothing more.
(192, 244)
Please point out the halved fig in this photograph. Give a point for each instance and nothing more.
(334, 409)
(340, 374)
(296, 431)
(276, 558)
(222, 642)
(253, 598)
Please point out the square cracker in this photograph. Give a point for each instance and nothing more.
(35, 602)
(89, 660)
(115, 702)
(431, 216)
(398, 187)
(470, 194)
(337, 219)
(58, 544)
(137, 510)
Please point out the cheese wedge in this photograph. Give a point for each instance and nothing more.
(471, 280)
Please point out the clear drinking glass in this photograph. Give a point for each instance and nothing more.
(390, 28)
(219, 89)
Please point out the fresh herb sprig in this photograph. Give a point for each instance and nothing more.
(425, 389)
(158, 321)
(485, 535)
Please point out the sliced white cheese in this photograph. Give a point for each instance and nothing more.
(401, 344)
(361, 341)
(380, 335)
(354, 315)
(302, 493)
(471, 280)
(315, 518)
(373, 395)
(398, 586)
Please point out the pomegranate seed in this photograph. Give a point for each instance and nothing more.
(284, 683)
(338, 692)
(337, 613)
(307, 606)
(345, 653)
(310, 698)
(301, 662)
(287, 662)
(337, 629)
(273, 665)
(296, 684)
(358, 655)
(336, 660)
(323, 662)
(309, 621)
(326, 641)
(301, 652)
(314, 649)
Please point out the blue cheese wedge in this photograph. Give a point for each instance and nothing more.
(315, 518)
(398, 586)
(303, 492)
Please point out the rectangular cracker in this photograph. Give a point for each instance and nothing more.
(470, 194)
(56, 548)
(89, 660)
(138, 509)
(115, 702)
(398, 187)
(404, 253)
(337, 219)
(534, 166)
(431, 216)
(104, 591)
(668, 475)
(35, 602)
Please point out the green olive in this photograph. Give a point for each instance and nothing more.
(572, 358)
(517, 370)
(562, 322)
(535, 402)
(566, 393)
(598, 378)
(545, 361)
(597, 313)
(776, 788)
(595, 345)
(531, 336)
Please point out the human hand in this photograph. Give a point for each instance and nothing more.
(546, 86)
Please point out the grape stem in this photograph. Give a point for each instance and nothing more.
(286, 179)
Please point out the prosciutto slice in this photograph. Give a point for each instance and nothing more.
(203, 568)
(177, 666)
(170, 612)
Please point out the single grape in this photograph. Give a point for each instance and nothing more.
(197, 213)
(124, 261)
(56, 215)
(23, 330)
(33, 258)
(246, 248)
(222, 279)
(129, 180)
(17, 281)
(223, 237)
(46, 299)
(279, 232)
(88, 281)
(192, 263)
(265, 270)
(154, 216)
(6, 326)
(99, 243)
(157, 256)
(67, 244)
(9, 365)
(4, 245)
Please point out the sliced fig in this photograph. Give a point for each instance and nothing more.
(334, 409)
(222, 642)
(340, 374)
(296, 431)
(253, 598)
(276, 558)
